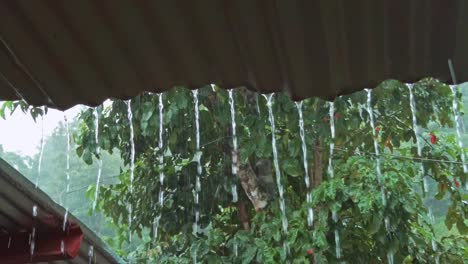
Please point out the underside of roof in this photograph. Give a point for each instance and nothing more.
(18, 196)
(62, 53)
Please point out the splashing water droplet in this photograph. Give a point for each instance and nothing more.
(90, 254)
(310, 211)
(32, 237)
(34, 211)
(62, 247)
(235, 168)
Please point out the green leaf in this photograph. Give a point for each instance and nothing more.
(249, 254)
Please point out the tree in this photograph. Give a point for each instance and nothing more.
(369, 230)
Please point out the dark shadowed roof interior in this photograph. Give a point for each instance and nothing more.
(62, 53)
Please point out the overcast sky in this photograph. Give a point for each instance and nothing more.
(19, 133)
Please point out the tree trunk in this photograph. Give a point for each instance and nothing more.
(243, 216)
(318, 171)
(250, 184)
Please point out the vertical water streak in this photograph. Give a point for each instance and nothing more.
(196, 226)
(417, 135)
(32, 245)
(376, 146)
(257, 104)
(458, 126)
(390, 257)
(235, 153)
(132, 162)
(419, 151)
(98, 154)
(370, 110)
(41, 151)
(62, 247)
(90, 254)
(331, 173)
(67, 189)
(161, 165)
(310, 211)
(279, 184)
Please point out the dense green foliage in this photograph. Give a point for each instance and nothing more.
(354, 192)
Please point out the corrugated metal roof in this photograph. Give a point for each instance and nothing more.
(62, 53)
(17, 198)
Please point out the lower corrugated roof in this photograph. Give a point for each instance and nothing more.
(62, 53)
(17, 198)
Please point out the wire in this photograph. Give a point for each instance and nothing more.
(403, 157)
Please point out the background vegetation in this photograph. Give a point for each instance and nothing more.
(242, 232)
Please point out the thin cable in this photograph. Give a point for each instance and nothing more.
(403, 157)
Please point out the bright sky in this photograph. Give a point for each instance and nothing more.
(19, 133)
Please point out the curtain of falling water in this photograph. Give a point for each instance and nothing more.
(98, 153)
(67, 189)
(331, 173)
(234, 146)
(41, 152)
(421, 166)
(310, 211)
(132, 163)
(32, 238)
(457, 117)
(390, 253)
(161, 165)
(199, 167)
(282, 204)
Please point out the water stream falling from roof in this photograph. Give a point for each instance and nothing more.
(370, 110)
(376, 146)
(161, 165)
(196, 226)
(41, 152)
(67, 188)
(421, 165)
(235, 153)
(331, 174)
(99, 158)
(310, 211)
(417, 135)
(132, 163)
(279, 184)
